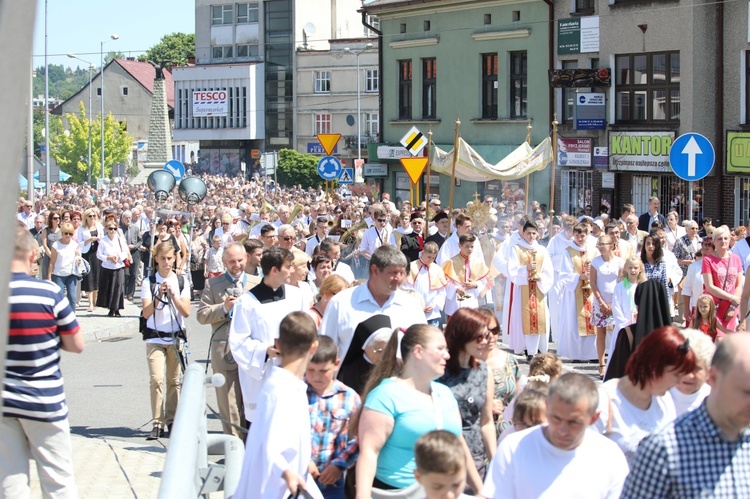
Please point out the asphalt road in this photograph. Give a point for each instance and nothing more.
(106, 386)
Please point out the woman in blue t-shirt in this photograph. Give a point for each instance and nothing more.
(401, 402)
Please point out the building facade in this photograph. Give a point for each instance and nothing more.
(674, 69)
(332, 85)
(483, 63)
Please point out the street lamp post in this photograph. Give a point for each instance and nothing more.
(359, 100)
(91, 68)
(101, 75)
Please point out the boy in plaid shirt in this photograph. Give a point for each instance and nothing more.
(332, 404)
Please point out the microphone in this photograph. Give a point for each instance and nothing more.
(236, 292)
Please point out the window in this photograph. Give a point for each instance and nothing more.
(648, 87)
(489, 86)
(124, 90)
(402, 28)
(488, 19)
(323, 123)
(584, 6)
(372, 125)
(322, 82)
(568, 96)
(429, 88)
(221, 14)
(247, 13)
(374, 22)
(427, 25)
(577, 186)
(518, 84)
(516, 16)
(247, 51)
(99, 91)
(222, 52)
(372, 83)
(404, 90)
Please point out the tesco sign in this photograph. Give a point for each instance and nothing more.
(210, 103)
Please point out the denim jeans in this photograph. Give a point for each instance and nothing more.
(68, 284)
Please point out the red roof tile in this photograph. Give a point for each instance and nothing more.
(145, 73)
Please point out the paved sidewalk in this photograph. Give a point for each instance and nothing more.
(113, 469)
(96, 325)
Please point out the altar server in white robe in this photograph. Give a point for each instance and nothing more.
(531, 272)
(577, 335)
(556, 246)
(277, 457)
(255, 323)
(428, 279)
(468, 279)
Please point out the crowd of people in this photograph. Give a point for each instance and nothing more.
(372, 348)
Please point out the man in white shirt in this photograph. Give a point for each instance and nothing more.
(255, 323)
(283, 214)
(376, 236)
(332, 249)
(450, 247)
(347, 315)
(321, 232)
(26, 216)
(562, 458)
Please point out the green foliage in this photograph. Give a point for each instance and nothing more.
(63, 82)
(70, 149)
(296, 168)
(113, 55)
(175, 47)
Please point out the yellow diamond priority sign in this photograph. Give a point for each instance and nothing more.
(414, 141)
(414, 167)
(329, 141)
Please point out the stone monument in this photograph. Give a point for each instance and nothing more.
(159, 132)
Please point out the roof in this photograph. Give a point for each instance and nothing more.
(144, 73)
(376, 4)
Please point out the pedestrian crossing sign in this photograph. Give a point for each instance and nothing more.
(347, 176)
(414, 141)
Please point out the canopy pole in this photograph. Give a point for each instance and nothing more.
(455, 160)
(426, 226)
(528, 141)
(554, 162)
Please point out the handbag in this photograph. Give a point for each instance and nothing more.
(81, 267)
(129, 259)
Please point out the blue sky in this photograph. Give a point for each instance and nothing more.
(78, 27)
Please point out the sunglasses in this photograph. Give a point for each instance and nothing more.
(55, 218)
(90, 216)
(494, 330)
(67, 233)
(111, 228)
(288, 238)
(482, 337)
(382, 220)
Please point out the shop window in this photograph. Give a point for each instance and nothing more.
(577, 187)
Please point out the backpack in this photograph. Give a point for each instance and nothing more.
(142, 321)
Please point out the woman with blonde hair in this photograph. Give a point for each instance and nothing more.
(63, 257)
(401, 402)
(624, 310)
(723, 278)
(89, 234)
(332, 285)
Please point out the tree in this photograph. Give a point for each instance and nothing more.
(296, 168)
(71, 148)
(113, 55)
(176, 47)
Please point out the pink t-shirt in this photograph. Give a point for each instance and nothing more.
(724, 275)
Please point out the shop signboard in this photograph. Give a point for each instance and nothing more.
(738, 152)
(640, 151)
(578, 35)
(375, 170)
(573, 152)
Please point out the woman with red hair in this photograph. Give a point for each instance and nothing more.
(633, 406)
(467, 336)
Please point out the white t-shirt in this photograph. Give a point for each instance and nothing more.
(630, 424)
(687, 403)
(66, 257)
(526, 465)
(163, 319)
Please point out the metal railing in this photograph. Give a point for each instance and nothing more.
(187, 471)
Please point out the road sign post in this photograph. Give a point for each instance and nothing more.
(414, 141)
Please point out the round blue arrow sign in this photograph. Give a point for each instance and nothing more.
(329, 168)
(176, 168)
(692, 156)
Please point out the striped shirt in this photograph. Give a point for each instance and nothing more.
(33, 384)
(329, 420)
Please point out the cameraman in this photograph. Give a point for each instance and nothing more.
(166, 302)
(219, 296)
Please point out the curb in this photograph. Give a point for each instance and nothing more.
(98, 327)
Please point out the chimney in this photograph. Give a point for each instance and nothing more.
(130, 58)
